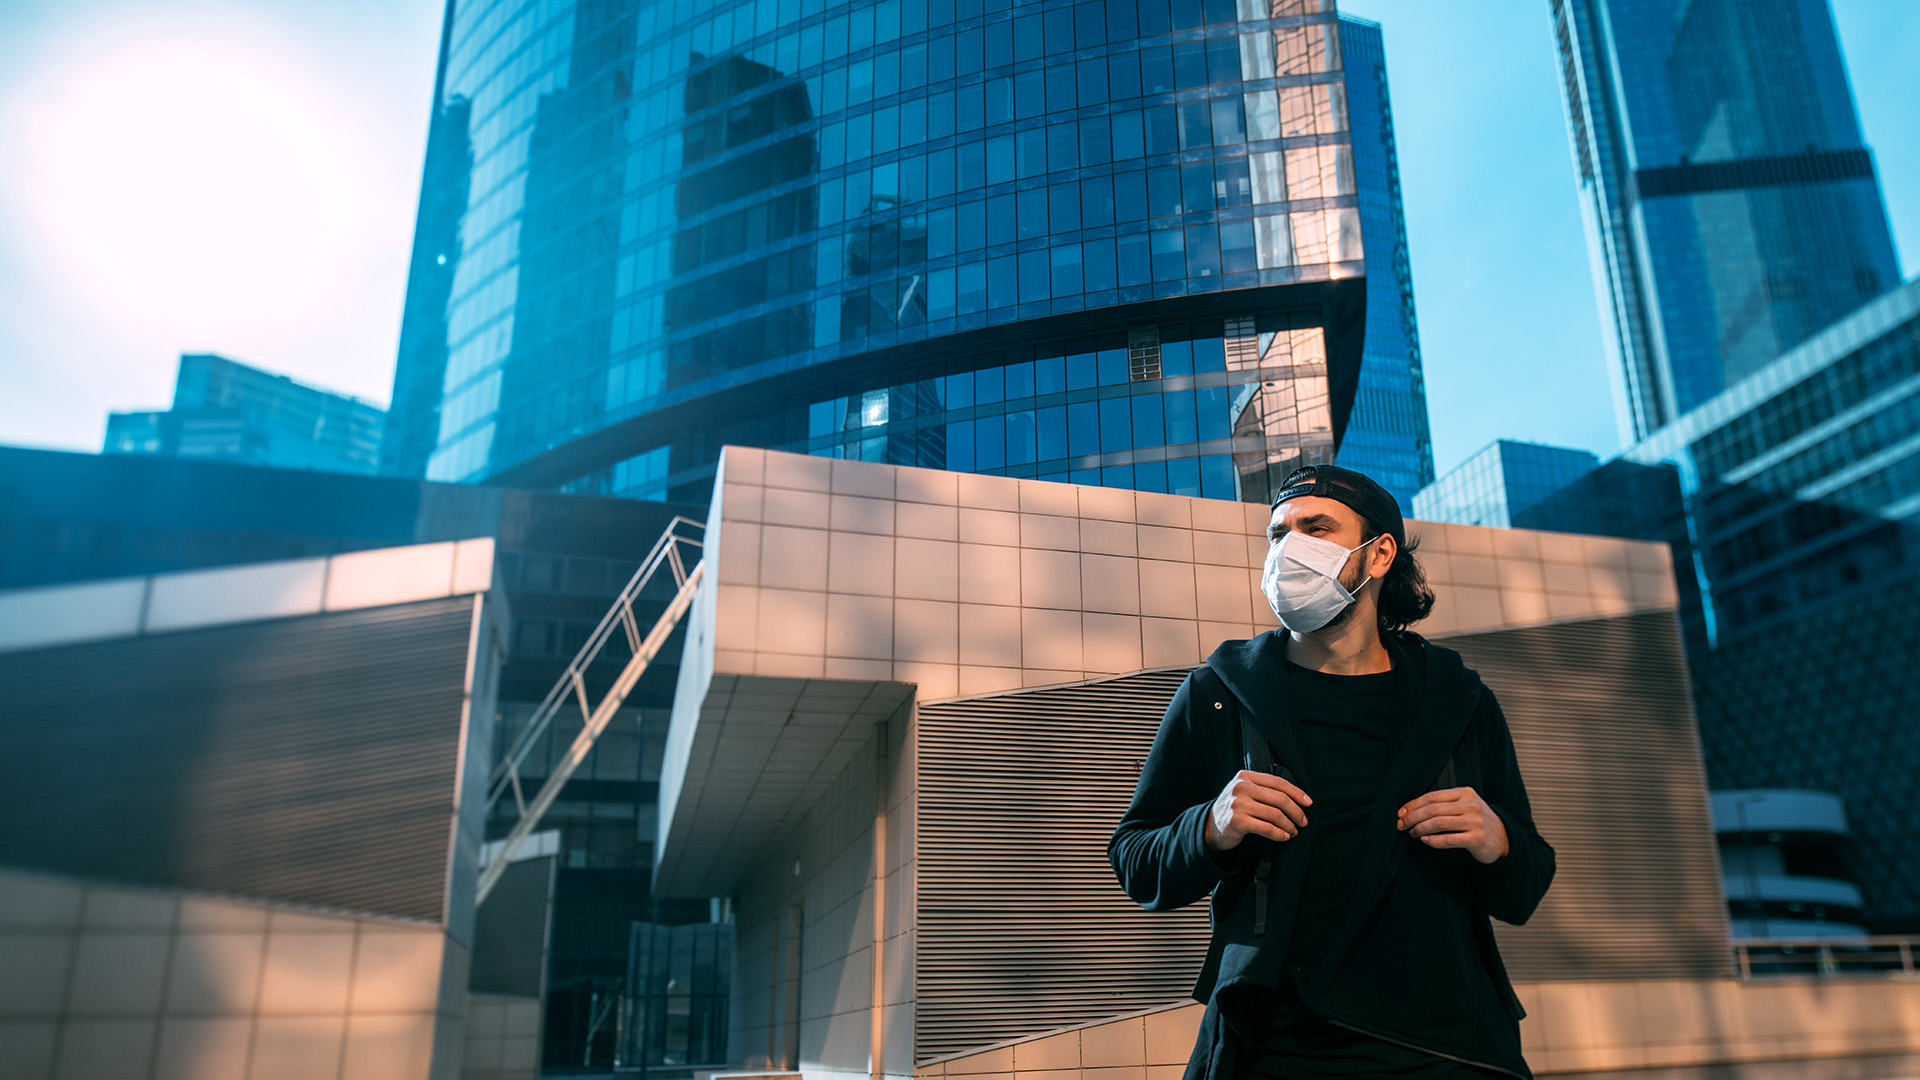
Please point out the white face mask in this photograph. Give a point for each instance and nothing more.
(1302, 580)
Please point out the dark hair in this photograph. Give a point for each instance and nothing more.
(1404, 598)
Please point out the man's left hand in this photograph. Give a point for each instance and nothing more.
(1456, 818)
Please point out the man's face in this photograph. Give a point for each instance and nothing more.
(1334, 521)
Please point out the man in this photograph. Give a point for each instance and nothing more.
(1348, 793)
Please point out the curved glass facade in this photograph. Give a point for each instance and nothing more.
(648, 229)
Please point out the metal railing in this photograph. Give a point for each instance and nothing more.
(572, 689)
(1825, 957)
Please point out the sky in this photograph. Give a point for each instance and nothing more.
(240, 177)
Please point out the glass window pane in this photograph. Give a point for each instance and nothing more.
(1176, 358)
(1033, 212)
(1183, 477)
(1135, 264)
(1034, 279)
(1082, 371)
(1189, 64)
(1020, 446)
(1228, 123)
(1096, 141)
(1099, 265)
(1169, 255)
(1163, 192)
(1181, 427)
(1123, 76)
(1216, 477)
(1319, 172)
(1003, 282)
(1232, 183)
(1116, 425)
(1196, 187)
(1269, 176)
(1156, 70)
(960, 446)
(1050, 431)
(1273, 241)
(1196, 127)
(1096, 202)
(1256, 54)
(1066, 269)
(990, 442)
(1019, 380)
(1237, 248)
(1049, 375)
(990, 385)
(1130, 196)
(1203, 251)
(1149, 420)
(1127, 139)
(1263, 115)
(1223, 60)
(1083, 428)
(1162, 129)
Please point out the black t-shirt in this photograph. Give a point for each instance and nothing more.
(1342, 723)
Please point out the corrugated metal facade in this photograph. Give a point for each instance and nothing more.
(308, 760)
(1020, 926)
(1603, 724)
(1022, 929)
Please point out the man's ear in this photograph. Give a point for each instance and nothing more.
(1385, 552)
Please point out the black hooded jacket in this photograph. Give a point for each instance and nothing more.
(1415, 962)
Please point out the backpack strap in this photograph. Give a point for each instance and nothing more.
(1256, 755)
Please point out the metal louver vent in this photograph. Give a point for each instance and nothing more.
(1143, 353)
(1021, 926)
(1022, 929)
(1602, 723)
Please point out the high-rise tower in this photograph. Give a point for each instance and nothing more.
(1387, 436)
(1732, 209)
(1117, 242)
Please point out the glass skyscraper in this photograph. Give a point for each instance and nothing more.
(1387, 435)
(1733, 211)
(1501, 482)
(1116, 242)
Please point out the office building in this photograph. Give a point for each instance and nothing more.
(74, 519)
(875, 707)
(227, 411)
(230, 865)
(1802, 485)
(1117, 243)
(1788, 501)
(1387, 435)
(1732, 209)
(1505, 479)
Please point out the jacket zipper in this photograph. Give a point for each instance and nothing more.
(1423, 1049)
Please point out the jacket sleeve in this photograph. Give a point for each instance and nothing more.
(1510, 887)
(1158, 850)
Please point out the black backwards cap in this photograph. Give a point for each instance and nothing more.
(1355, 490)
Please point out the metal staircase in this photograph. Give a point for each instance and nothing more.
(571, 689)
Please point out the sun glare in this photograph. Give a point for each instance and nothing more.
(191, 184)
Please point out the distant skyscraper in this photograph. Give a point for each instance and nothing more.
(1732, 208)
(1387, 436)
(1502, 481)
(227, 411)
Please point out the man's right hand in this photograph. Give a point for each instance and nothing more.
(1255, 804)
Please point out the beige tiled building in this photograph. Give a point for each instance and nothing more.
(254, 824)
(883, 693)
